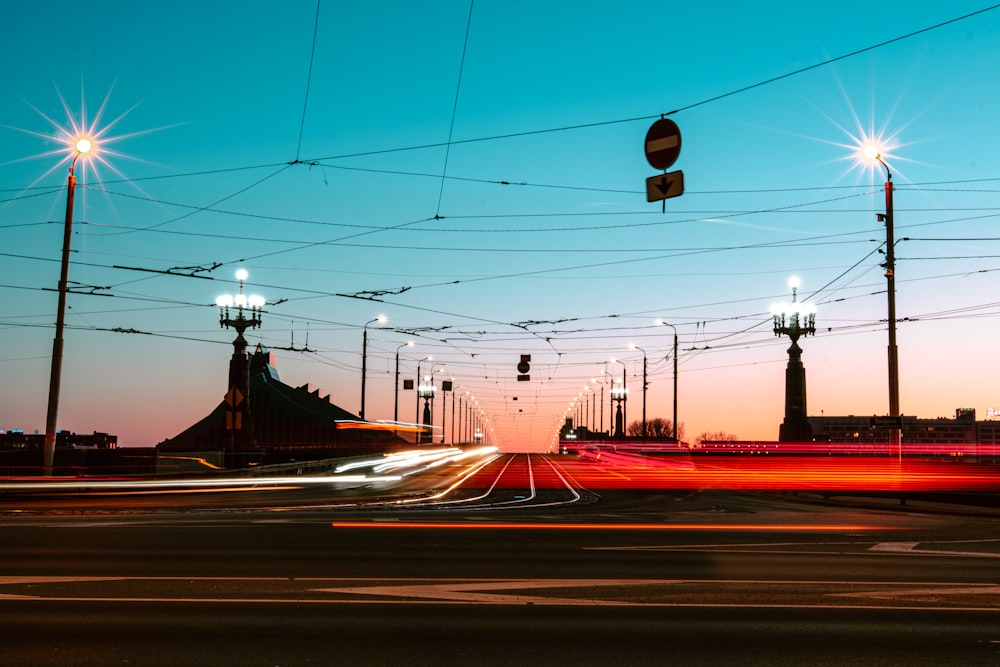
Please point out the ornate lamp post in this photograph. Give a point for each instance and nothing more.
(247, 316)
(873, 153)
(794, 320)
(621, 415)
(364, 360)
(82, 147)
(426, 391)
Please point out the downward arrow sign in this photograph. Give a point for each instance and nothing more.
(665, 186)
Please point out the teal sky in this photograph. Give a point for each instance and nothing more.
(480, 180)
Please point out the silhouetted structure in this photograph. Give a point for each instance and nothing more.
(17, 439)
(794, 320)
(287, 422)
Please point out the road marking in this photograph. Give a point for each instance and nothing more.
(983, 589)
(590, 592)
(898, 547)
(911, 548)
(477, 592)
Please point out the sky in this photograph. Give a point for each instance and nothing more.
(475, 172)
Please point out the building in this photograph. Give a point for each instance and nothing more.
(16, 439)
(286, 423)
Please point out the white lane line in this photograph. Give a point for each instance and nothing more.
(911, 548)
(478, 592)
(895, 547)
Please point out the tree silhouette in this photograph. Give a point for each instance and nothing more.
(716, 436)
(657, 427)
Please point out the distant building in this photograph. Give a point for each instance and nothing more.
(16, 439)
(962, 436)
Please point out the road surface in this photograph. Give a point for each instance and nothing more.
(543, 570)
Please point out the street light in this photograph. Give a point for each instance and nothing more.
(364, 360)
(424, 392)
(395, 408)
(238, 395)
(83, 146)
(633, 346)
(794, 320)
(620, 395)
(593, 406)
(874, 153)
(667, 324)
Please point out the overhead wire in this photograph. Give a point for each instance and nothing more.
(451, 141)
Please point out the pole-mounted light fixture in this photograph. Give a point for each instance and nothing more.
(82, 146)
(873, 153)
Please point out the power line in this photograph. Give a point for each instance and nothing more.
(305, 100)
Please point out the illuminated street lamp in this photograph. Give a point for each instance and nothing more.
(593, 407)
(426, 391)
(794, 320)
(395, 409)
(247, 316)
(874, 153)
(645, 384)
(619, 394)
(364, 360)
(667, 324)
(82, 147)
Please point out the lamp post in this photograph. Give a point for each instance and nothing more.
(618, 397)
(644, 385)
(82, 147)
(794, 320)
(593, 405)
(873, 153)
(619, 394)
(417, 419)
(426, 391)
(623, 396)
(395, 407)
(238, 417)
(667, 324)
(364, 360)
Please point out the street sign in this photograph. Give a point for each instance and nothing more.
(234, 397)
(887, 422)
(665, 186)
(663, 144)
(523, 367)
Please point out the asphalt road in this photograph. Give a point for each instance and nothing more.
(623, 577)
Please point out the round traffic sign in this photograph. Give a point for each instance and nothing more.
(663, 143)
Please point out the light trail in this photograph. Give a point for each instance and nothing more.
(51, 485)
(614, 527)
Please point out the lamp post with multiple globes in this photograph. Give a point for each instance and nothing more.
(794, 320)
(81, 147)
(425, 390)
(619, 394)
(247, 316)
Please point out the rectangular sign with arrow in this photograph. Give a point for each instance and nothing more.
(665, 186)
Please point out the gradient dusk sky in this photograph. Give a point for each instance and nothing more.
(476, 173)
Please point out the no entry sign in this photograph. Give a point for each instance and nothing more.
(663, 143)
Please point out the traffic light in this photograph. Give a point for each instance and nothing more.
(523, 367)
